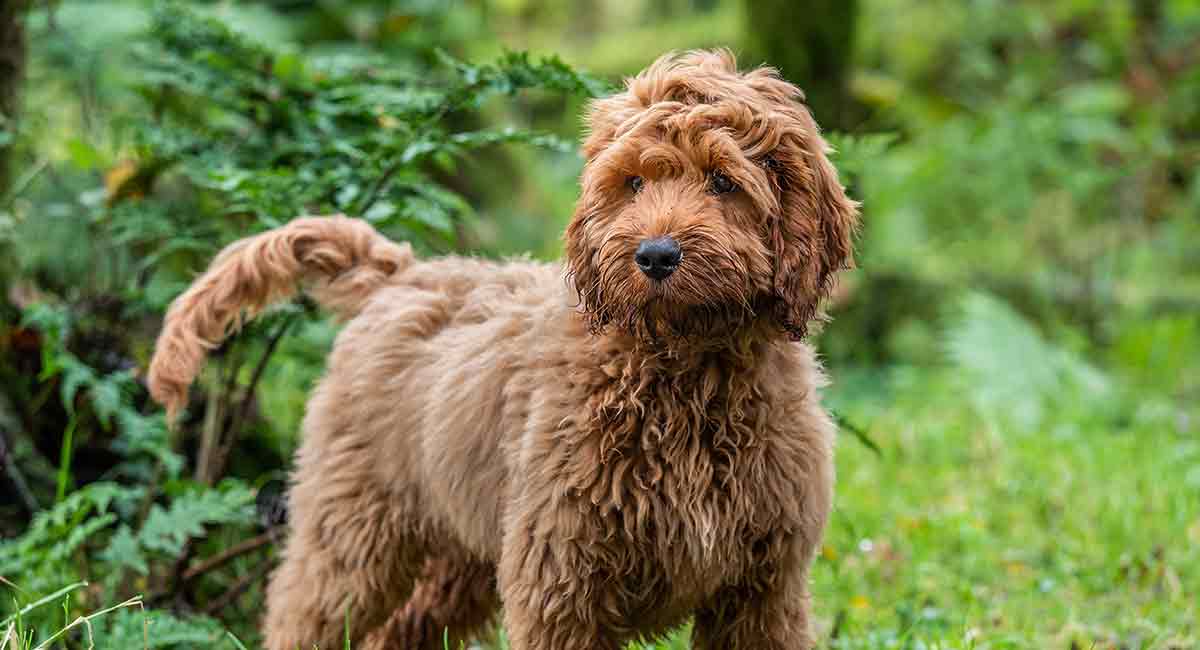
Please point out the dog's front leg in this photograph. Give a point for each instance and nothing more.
(768, 612)
(553, 593)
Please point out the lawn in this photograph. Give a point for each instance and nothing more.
(962, 536)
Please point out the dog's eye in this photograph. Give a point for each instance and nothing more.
(719, 183)
(635, 184)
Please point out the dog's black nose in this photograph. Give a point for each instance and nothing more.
(658, 257)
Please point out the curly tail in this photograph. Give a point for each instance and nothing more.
(343, 260)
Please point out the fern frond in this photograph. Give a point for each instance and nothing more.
(1012, 373)
(167, 529)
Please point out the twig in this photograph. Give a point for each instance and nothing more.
(857, 432)
(237, 550)
(217, 445)
(184, 575)
(259, 369)
(175, 587)
(377, 190)
(243, 410)
(210, 434)
(238, 588)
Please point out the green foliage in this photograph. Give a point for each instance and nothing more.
(272, 134)
(143, 436)
(101, 521)
(219, 135)
(166, 530)
(132, 628)
(125, 625)
(1011, 372)
(1039, 154)
(37, 558)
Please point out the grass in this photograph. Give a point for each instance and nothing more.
(15, 636)
(963, 535)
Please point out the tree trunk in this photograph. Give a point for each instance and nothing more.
(812, 45)
(12, 72)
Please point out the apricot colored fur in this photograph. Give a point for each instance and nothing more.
(606, 455)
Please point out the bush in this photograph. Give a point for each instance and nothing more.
(224, 137)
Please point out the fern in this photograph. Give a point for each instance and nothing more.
(157, 629)
(124, 625)
(516, 71)
(39, 559)
(1012, 373)
(78, 535)
(106, 391)
(59, 532)
(147, 435)
(109, 395)
(294, 135)
(167, 529)
(124, 552)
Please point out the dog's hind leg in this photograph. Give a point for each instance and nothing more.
(355, 545)
(455, 601)
(347, 564)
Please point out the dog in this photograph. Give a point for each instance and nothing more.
(599, 449)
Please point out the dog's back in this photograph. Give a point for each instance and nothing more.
(434, 375)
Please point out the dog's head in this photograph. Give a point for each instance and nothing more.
(707, 204)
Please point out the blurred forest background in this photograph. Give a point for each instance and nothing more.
(1016, 361)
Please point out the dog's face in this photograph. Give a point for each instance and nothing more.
(707, 204)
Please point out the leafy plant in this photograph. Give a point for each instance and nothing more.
(1012, 374)
(231, 137)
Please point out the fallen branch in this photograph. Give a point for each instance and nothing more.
(224, 557)
(238, 588)
(243, 411)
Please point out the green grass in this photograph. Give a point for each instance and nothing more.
(963, 535)
(15, 636)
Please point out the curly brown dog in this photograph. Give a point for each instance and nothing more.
(605, 456)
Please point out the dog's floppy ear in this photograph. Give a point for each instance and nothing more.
(601, 120)
(813, 236)
(581, 270)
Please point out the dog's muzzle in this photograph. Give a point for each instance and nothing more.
(658, 257)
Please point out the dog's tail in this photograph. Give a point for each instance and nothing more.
(342, 260)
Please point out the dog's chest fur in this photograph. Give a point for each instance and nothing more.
(681, 477)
